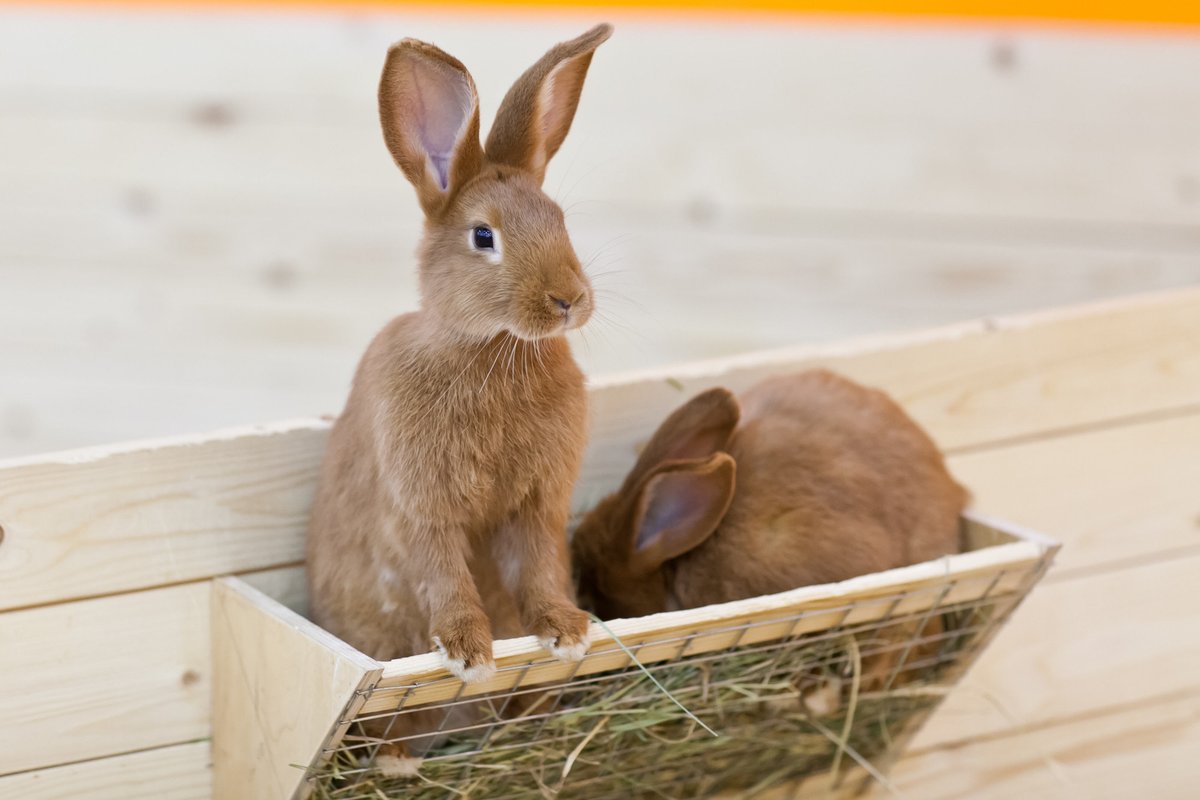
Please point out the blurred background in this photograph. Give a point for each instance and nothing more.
(200, 225)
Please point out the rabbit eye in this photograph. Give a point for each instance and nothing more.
(483, 238)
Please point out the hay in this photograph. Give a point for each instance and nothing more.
(618, 735)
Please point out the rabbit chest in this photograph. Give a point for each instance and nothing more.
(472, 450)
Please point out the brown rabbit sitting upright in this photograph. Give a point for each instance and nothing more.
(833, 480)
(445, 491)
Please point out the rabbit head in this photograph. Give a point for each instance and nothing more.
(495, 256)
(670, 503)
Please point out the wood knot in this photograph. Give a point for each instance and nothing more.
(280, 275)
(139, 202)
(702, 211)
(213, 115)
(1004, 56)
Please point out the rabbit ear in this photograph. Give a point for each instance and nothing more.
(430, 115)
(537, 112)
(697, 429)
(679, 508)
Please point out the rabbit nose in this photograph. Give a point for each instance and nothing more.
(563, 305)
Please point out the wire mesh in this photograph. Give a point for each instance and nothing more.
(785, 708)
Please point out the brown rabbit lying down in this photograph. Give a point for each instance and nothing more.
(441, 512)
(833, 480)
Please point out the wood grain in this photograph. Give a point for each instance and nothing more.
(101, 521)
(1077, 647)
(323, 285)
(112, 675)
(281, 684)
(175, 772)
(1115, 497)
(167, 341)
(1147, 748)
(858, 130)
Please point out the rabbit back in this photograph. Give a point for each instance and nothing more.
(834, 480)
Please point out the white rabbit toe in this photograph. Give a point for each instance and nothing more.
(398, 766)
(572, 652)
(824, 700)
(476, 673)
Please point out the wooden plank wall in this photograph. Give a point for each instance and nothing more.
(111, 679)
(201, 228)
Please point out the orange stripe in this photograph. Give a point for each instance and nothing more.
(1153, 12)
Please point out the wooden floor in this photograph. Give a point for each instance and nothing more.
(1092, 690)
(199, 226)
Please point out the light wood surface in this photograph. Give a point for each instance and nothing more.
(280, 685)
(1090, 691)
(99, 677)
(1119, 497)
(111, 675)
(203, 228)
(139, 515)
(175, 772)
(1144, 749)
(1133, 636)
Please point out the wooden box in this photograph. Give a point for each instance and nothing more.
(785, 681)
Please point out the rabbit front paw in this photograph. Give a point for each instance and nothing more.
(563, 630)
(822, 698)
(466, 650)
(394, 761)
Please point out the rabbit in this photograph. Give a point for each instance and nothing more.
(832, 479)
(440, 516)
